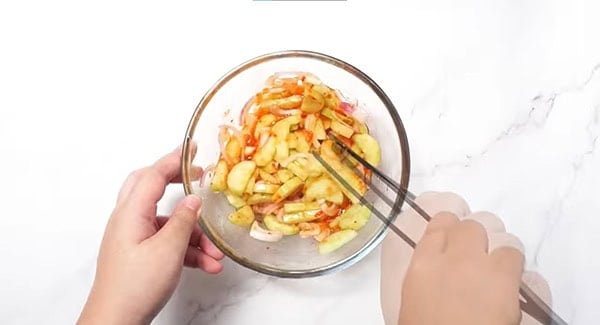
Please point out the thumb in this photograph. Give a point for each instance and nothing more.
(177, 231)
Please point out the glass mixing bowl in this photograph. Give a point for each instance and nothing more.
(291, 257)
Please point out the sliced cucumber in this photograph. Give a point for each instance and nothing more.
(271, 223)
(369, 147)
(300, 206)
(298, 170)
(342, 128)
(313, 101)
(303, 216)
(219, 180)
(260, 198)
(324, 188)
(320, 130)
(336, 240)
(233, 150)
(284, 175)
(265, 154)
(284, 103)
(242, 217)
(236, 201)
(282, 151)
(281, 129)
(268, 177)
(265, 188)
(239, 176)
(287, 189)
(354, 217)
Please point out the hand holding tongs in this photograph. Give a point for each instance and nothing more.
(531, 302)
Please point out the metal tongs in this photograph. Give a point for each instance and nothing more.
(530, 302)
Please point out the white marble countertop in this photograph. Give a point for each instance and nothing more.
(501, 102)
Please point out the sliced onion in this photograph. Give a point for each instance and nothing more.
(207, 170)
(293, 157)
(322, 235)
(347, 107)
(280, 78)
(237, 134)
(246, 109)
(296, 196)
(257, 232)
(275, 90)
(360, 115)
(280, 214)
(264, 137)
(249, 150)
(330, 210)
(284, 112)
(309, 229)
(311, 78)
(309, 122)
(266, 209)
(316, 143)
(288, 200)
(223, 138)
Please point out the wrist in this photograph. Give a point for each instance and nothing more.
(99, 309)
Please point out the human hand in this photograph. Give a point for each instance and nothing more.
(142, 255)
(453, 280)
(396, 254)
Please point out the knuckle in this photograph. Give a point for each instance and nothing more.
(505, 240)
(489, 221)
(134, 175)
(455, 202)
(448, 215)
(443, 217)
(472, 226)
(185, 216)
(435, 236)
(425, 196)
(138, 174)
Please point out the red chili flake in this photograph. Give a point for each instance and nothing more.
(251, 142)
(309, 135)
(321, 215)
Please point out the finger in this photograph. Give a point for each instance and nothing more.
(504, 239)
(195, 171)
(434, 203)
(209, 248)
(539, 285)
(441, 221)
(508, 261)
(489, 221)
(147, 184)
(196, 233)
(467, 237)
(410, 222)
(152, 182)
(196, 258)
(128, 184)
(436, 235)
(166, 170)
(195, 174)
(177, 232)
(396, 255)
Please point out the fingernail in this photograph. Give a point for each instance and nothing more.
(192, 202)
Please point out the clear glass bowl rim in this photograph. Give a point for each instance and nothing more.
(404, 158)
